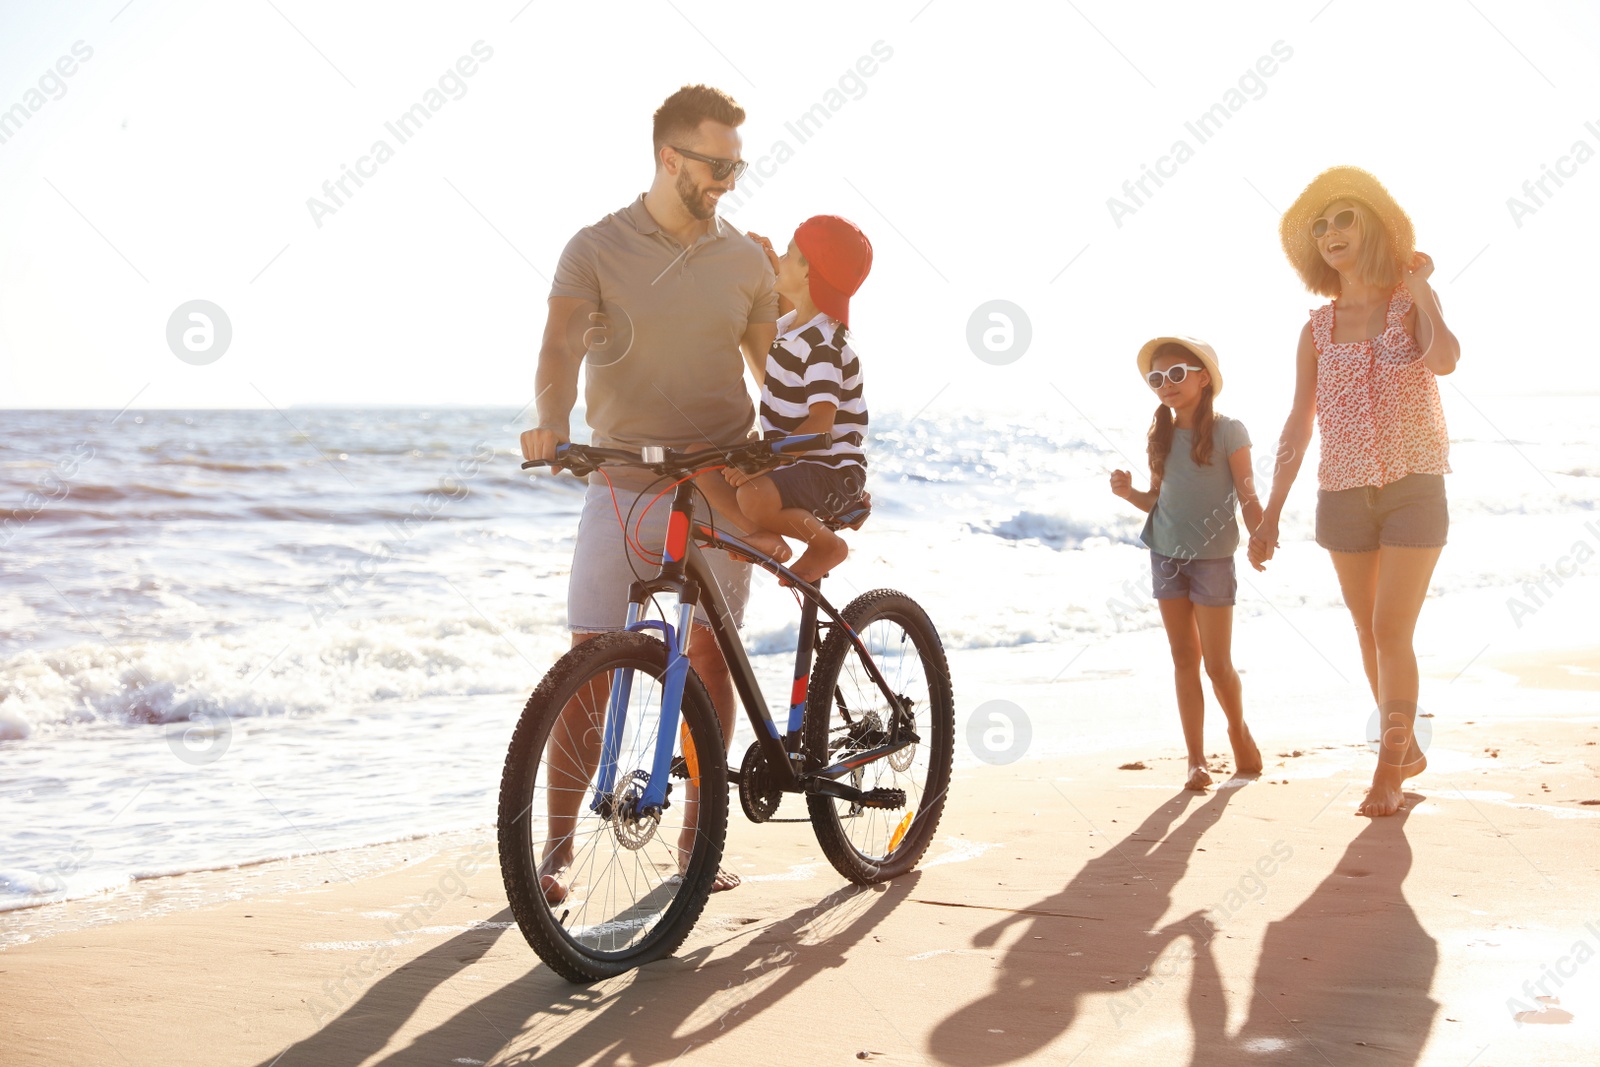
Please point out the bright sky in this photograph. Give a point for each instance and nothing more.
(176, 161)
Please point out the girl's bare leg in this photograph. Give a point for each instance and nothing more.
(1177, 615)
(1216, 648)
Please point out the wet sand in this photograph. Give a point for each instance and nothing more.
(1068, 912)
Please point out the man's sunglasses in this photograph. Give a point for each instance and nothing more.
(721, 169)
(1341, 222)
(1174, 374)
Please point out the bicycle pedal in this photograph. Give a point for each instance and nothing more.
(883, 798)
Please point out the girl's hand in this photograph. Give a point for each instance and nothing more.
(1121, 483)
(772, 255)
(1421, 270)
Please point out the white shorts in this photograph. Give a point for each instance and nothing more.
(597, 595)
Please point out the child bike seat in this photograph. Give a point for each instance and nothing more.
(849, 519)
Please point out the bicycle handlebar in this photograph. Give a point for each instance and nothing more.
(752, 458)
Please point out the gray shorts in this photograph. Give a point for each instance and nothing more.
(1409, 513)
(1211, 583)
(597, 595)
(820, 489)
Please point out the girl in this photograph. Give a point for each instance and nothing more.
(1199, 469)
(1365, 374)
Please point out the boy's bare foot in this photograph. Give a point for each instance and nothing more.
(724, 881)
(1199, 778)
(770, 543)
(1246, 756)
(826, 551)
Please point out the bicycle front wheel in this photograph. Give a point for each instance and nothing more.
(599, 883)
(848, 714)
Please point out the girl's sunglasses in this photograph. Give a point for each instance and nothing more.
(1174, 374)
(721, 169)
(1342, 221)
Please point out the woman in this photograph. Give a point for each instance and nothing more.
(1365, 374)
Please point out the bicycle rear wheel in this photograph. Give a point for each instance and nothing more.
(630, 884)
(847, 714)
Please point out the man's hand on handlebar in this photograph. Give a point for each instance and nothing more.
(541, 443)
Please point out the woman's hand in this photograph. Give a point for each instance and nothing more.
(736, 477)
(1121, 483)
(1420, 271)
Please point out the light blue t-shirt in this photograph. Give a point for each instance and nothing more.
(1194, 513)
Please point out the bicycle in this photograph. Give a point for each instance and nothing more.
(868, 741)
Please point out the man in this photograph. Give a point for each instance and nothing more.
(661, 299)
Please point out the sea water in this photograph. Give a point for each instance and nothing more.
(232, 636)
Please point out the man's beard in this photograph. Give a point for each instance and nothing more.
(694, 198)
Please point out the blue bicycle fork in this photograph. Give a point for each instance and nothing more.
(677, 641)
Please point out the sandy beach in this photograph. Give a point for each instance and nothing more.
(1070, 911)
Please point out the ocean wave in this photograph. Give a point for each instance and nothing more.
(1058, 531)
(336, 665)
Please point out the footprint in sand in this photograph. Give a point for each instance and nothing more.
(1546, 1014)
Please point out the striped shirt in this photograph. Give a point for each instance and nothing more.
(807, 366)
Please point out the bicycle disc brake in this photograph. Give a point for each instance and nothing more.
(759, 791)
(901, 759)
(632, 830)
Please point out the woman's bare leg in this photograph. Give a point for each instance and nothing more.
(1403, 578)
(1398, 579)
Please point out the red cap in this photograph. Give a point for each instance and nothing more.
(840, 256)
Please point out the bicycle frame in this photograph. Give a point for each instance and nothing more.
(685, 572)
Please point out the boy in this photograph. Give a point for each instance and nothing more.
(812, 384)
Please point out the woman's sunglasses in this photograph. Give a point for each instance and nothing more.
(1174, 374)
(721, 169)
(1341, 221)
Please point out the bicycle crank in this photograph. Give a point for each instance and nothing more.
(870, 798)
(759, 788)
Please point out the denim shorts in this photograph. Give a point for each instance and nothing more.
(822, 490)
(1409, 513)
(1208, 582)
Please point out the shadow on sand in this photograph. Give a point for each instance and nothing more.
(1342, 979)
(1095, 936)
(654, 1015)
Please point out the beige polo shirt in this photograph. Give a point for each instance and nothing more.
(669, 371)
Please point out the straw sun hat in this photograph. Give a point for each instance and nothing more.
(1202, 351)
(1342, 183)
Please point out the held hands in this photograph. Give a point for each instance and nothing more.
(1263, 542)
(1121, 483)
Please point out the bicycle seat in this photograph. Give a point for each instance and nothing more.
(849, 519)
